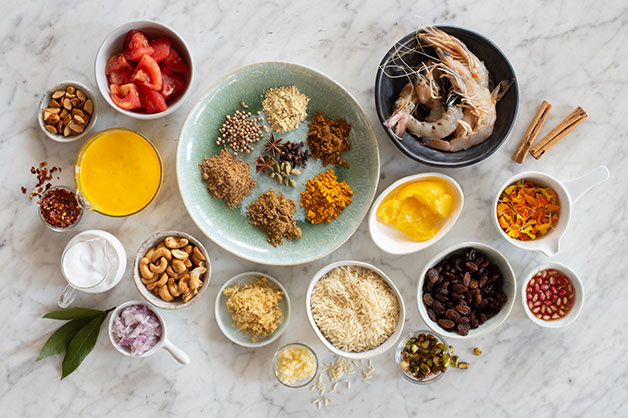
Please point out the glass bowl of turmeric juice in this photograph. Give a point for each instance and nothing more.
(118, 172)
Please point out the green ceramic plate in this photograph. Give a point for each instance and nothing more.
(230, 228)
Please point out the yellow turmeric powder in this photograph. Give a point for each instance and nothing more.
(325, 198)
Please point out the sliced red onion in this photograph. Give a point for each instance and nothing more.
(137, 328)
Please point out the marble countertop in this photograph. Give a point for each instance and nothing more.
(565, 53)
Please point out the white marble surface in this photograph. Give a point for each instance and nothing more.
(566, 52)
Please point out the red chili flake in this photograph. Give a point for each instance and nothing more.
(43, 175)
(23, 190)
(59, 208)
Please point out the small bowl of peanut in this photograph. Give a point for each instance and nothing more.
(67, 111)
(171, 270)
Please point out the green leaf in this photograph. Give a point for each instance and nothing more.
(82, 344)
(73, 313)
(59, 340)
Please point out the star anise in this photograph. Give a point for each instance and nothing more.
(265, 163)
(273, 145)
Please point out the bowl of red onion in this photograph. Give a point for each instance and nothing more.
(137, 330)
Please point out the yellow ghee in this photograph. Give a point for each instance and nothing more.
(417, 208)
(119, 172)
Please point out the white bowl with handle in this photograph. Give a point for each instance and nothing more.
(568, 193)
(178, 354)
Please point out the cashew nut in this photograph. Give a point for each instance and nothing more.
(188, 296)
(178, 266)
(183, 284)
(161, 245)
(159, 268)
(152, 280)
(187, 263)
(198, 253)
(161, 252)
(165, 294)
(195, 278)
(149, 254)
(162, 281)
(201, 264)
(172, 242)
(171, 272)
(145, 271)
(179, 254)
(188, 249)
(173, 288)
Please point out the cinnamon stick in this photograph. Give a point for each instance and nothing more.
(567, 125)
(532, 132)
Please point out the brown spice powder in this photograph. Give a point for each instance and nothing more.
(274, 214)
(327, 139)
(227, 178)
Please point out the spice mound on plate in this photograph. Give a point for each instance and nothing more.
(285, 107)
(295, 363)
(327, 139)
(137, 328)
(417, 208)
(325, 198)
(274, 214)
(255, 308)
(527, 211)
(227, 178)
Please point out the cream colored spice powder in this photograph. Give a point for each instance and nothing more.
(285, 108)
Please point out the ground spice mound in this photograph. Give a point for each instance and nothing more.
(285, 108)
(227, 178)
(327, 139)
(255, 308)
(274, 214)
(325, 198)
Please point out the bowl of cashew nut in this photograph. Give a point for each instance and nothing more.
(171, 270)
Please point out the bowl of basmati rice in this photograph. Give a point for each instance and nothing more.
(355, 309)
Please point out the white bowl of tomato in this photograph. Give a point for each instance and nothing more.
(144, 69)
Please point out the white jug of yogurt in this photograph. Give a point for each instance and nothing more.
(93, 261)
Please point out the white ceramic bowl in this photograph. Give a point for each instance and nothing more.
(568, 193)
(113, 45)
(509, 288)
(374, 352)
(155, 300)
(578, 301)
(45, 100)
(178, 354)
(391, 240)
(225, 320)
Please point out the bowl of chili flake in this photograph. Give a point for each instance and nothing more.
(59, 209)
(532, 209)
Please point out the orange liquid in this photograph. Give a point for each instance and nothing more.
(119, 173)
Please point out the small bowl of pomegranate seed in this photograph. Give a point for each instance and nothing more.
(552, 295)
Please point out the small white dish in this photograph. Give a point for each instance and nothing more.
(112, 44)
(45, 100)
(390, 240)
(178, 354)
(568, 193)
(509, 288)
(155, 300)
(578, 300)
(225, 320)
(374, 352)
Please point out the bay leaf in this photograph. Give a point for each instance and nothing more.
(60, 339)
(82, 344)
(73, 313)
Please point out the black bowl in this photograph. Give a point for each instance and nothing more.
(387, 90)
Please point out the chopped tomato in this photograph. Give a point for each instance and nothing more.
(120, 77)
(148, 74)
(137, 47)
(125, 96)
(161, 46)
(175, 63)
(117, 62)
(152, 101)
(127, 38)
(173, 85)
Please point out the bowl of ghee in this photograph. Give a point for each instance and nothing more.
(414, 212)
(118, 172)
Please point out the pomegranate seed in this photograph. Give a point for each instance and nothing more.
(571, 296)
(537, 303)
(552, 280)
(570, 288)
(546, 317)
(548, 294)
(553, 289)
(543, 309)
(562, 293)
(564, 300)
(536, 310)
(558, 302)
(534, 299)
(548, 302)
(542, 296)
(554, 297)
(536, 287)
(561, 312)
(555, 316)
(530, 305)
(544, 287)
(531, 282)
